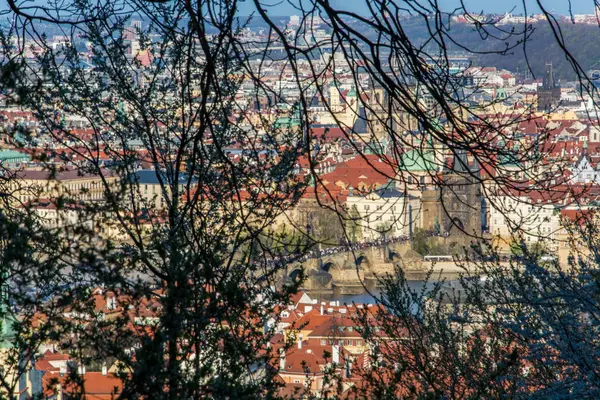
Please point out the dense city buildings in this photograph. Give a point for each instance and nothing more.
(333, 181)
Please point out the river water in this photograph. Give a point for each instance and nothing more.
(370, 295)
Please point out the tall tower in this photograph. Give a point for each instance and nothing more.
(460, 197)
(549, 93)
(548, 82)
(334, 97)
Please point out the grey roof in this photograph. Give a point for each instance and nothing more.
(388, 192)
(150, 177)
(69, 174)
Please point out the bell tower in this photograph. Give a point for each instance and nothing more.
(460, 197)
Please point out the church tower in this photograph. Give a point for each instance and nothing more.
(460, 197)
(549, 93)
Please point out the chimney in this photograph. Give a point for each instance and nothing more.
(104, 369)
(81, 369)
(335, 352)
(322, 308)
(282, 360)
(300, 342)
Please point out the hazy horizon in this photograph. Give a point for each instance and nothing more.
(286, 8)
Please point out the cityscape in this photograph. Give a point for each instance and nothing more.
(199, 204)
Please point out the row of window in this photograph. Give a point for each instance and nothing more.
(367, 207)
(421, 181)
(530, 208)
(543, 229)
(341, 342)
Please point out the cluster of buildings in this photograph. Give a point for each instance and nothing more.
(520, 19)
(326, 340)
(47, 374)
(315, 349)
(505, 19)
(373, 163)
(379, 166)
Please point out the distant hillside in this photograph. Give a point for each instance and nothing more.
(583, 41)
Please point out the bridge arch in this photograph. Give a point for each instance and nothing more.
(335, 270)
(296, 273)
(394, 256)
(330, 266)
(362, 262)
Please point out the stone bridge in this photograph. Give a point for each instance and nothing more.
(351, 268)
